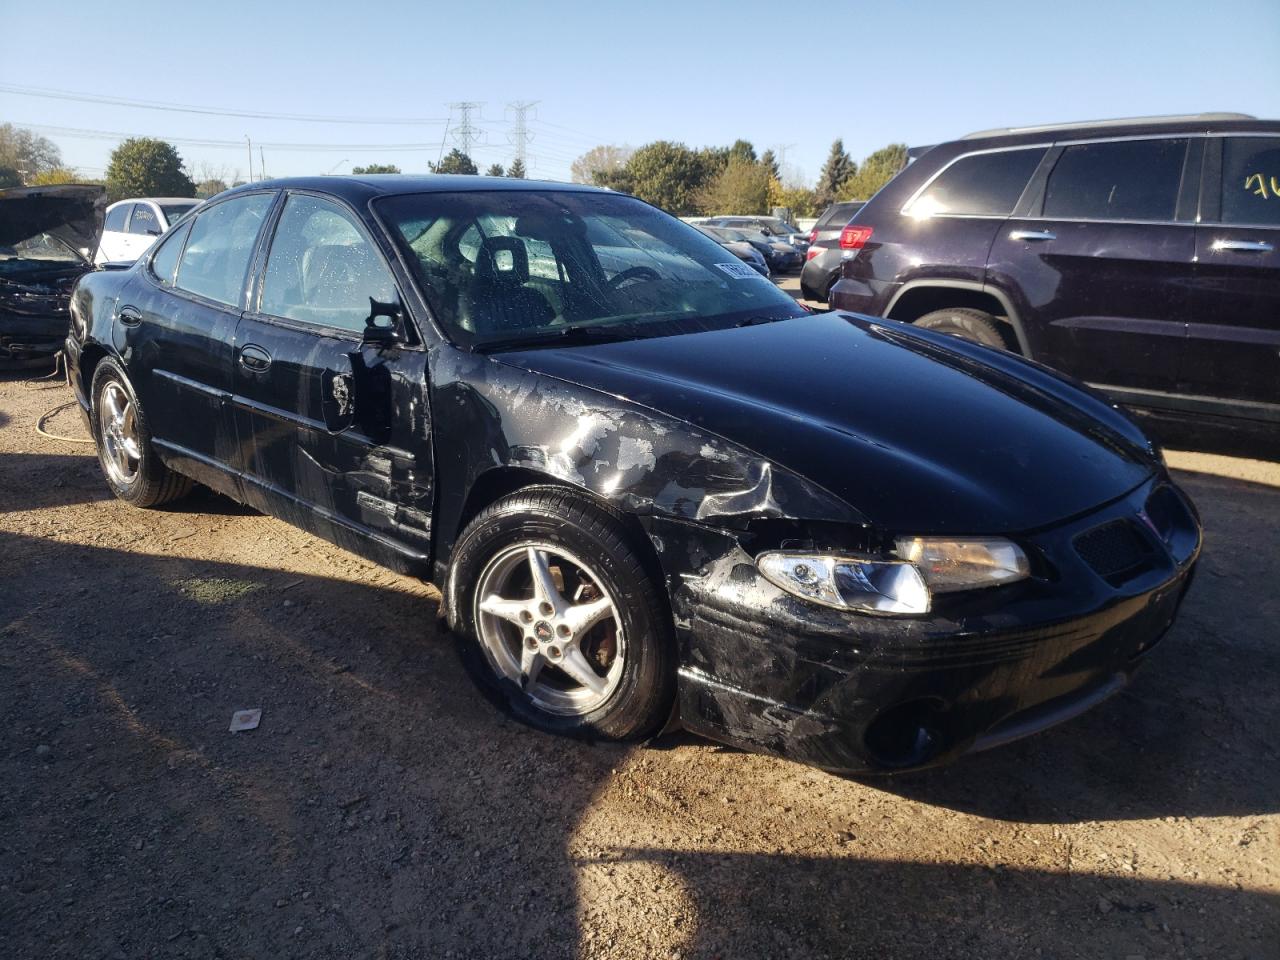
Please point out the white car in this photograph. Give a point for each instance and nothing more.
(132, 225)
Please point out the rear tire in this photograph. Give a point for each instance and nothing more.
(968, 324)
(130, 464)
(519, 644)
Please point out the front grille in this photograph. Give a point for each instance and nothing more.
(1113, 549)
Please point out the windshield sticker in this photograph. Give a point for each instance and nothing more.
(738, 270)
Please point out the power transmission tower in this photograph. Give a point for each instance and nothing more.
(520, 135)
(466, 133)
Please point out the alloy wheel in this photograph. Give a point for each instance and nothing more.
(546, 622)
(118, 428)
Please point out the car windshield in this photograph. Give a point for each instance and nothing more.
(512, 267)
(172, 211)
(41, 248)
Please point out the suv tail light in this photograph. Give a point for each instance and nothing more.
(813, 235)
(853, 238)
(812, 252)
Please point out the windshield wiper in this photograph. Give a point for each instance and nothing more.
(563, 337)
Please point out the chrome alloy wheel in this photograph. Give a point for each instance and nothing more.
(118, 428)
(546, 623)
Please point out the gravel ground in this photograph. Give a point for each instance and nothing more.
(383, 809)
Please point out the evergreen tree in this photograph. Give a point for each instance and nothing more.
(516, 170)
(838, 168)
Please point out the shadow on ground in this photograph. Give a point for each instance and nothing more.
(383, 809)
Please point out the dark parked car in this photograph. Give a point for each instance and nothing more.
(739, 248)
(44, 233)
(823, 258)
(1138, 255)
(642, 475)
(773, 227)
(781, 257)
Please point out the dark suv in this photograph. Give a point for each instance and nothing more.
(1138, 255)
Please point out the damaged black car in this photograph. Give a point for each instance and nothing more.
(45, 236)
(651, 487)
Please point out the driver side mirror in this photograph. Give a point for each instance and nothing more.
(385, 323)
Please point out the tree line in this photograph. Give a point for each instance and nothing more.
(732, 180)
(679, 179)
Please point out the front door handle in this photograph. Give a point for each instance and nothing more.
(254, 358)
(130, 316)
(1243, 246)
(1033, 235)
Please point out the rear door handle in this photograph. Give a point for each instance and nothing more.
(130, 316)
(254, 358)
(1032, 235)
(1243, 246)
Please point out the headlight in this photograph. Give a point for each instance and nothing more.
(928, 565)
(848, 583)
(965, 563)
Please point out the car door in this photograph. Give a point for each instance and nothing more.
(113, 244)
(144, 227)
(1103, 260)
(178, 320)
(1233, 342)
(335, 429)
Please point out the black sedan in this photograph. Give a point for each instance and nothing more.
(644, 478)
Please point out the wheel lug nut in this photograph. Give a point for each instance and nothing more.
(562, 630)
(555, 652)
(546, 609)
(531, 643)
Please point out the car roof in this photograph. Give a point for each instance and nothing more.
(1122, 127)
(158, 200)
(366, 187)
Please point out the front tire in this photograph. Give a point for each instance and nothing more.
(134, 472)
(558, 617)
(968, 324)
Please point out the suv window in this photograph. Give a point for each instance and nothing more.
(144, 220)
(838, 212)
(165, 262)
(981, 184)
(1121, 180)
(220, 245)
(1251, 180)
(321, 268)
(117, 217)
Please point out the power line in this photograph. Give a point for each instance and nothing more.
(209, 111)
(464, 131)
(87, 134)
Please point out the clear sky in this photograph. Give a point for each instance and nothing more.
(778, 73)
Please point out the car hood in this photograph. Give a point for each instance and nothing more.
(917, 432)
(71, 212)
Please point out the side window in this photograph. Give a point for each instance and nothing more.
(321, 269)
(117, 218)
(1122, 180)
(220, 245)
(144, 221)
(165, 261)
(980, 185)
(1251, 181)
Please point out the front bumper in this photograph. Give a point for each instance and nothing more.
(765, 671)
(26, 336)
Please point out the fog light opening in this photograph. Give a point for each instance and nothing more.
(906, 734)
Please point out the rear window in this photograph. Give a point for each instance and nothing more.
(1122, 180)
(840, 213)
(979, 185)
(1251, 181)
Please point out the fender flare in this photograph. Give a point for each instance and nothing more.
(1015, 320)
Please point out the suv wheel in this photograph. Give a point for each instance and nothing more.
(969, 324)
(133, 471)
(560, 619)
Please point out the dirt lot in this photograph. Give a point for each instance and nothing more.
(384, 810)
